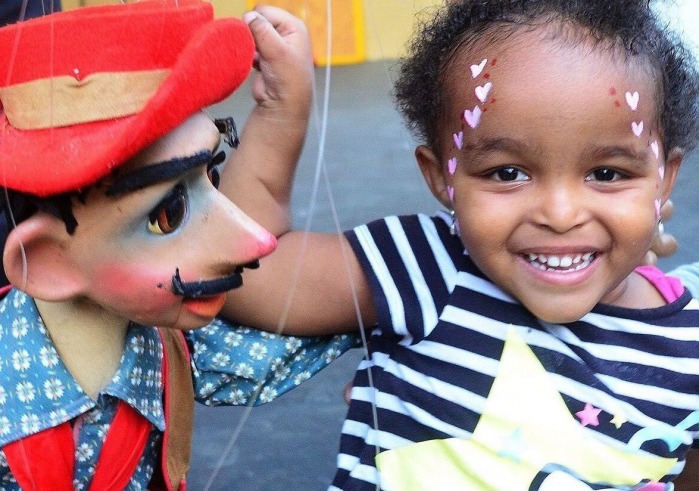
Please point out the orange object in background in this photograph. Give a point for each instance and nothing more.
(348, 40)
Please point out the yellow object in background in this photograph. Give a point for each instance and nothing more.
(363, 30)
(347, 22)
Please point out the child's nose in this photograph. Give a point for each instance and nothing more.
(560, 208)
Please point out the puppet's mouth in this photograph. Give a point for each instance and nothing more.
(210, 288)
(206, 307)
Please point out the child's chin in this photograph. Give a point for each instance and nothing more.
(560, 316)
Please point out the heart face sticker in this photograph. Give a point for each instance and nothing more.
(482, 91)
(473, 118)
(452, 166)
(637, 128)
(632, 100)
(661, 172)
(450, 192)
(656, 150)
(477, 69)
(459, 139)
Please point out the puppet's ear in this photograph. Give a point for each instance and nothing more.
(37, 262)
(433, 173)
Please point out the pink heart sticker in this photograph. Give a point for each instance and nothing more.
(632, 100)
(661, 172)
(654, 147)
(450, 192)
(482, 91)
(452, 166)
(473, 117)
(637, 128)
(477, 69)
(459, 139)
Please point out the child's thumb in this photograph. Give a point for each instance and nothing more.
(261, 30)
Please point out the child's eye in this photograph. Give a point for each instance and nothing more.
(604, 174)
(509, 174)
(169, 214)
(212, 168)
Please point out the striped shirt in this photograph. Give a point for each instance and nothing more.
(465, 389)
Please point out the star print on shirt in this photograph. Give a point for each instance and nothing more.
(589, 415)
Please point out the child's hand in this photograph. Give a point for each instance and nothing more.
(284, 81)
(664, 244)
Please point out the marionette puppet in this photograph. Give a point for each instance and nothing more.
(108, 165)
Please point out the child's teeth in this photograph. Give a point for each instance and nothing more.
(544, 261)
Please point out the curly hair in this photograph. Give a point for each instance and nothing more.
(629, 27)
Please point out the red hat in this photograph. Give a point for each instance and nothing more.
(82, 91)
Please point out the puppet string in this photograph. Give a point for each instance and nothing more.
(282, 321)
(320, 170)
(13, 56)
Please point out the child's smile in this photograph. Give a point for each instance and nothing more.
(557, 206)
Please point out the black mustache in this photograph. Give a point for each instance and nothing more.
(205, 288)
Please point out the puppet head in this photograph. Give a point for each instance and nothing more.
(101, 125)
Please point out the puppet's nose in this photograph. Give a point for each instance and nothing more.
(240, 236)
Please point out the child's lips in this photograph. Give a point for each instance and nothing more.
(206, 307)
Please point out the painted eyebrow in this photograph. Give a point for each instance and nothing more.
(156, 173)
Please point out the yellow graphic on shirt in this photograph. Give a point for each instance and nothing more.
(525, 428)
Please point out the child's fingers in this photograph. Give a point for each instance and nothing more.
(262, 31)
(283, 22)
(667, 210)
(275, 31)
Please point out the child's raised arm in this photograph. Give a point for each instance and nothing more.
(259, 180)
(261, 170)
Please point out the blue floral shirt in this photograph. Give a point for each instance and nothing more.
(231, 365)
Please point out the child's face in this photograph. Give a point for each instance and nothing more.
(552, 160)
(128, 248)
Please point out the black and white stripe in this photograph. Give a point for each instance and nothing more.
(441, 331)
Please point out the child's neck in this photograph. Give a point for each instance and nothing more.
(89, 340)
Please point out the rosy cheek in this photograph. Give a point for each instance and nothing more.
(144, 289)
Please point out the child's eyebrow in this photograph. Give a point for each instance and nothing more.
(156, 173)
(503, 144)
(628, 152)
(515, 146)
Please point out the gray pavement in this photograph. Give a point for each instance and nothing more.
(291, 443)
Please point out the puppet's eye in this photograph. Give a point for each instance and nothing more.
(170, 213)
(212, 168)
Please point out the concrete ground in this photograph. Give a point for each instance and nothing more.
(291, 443)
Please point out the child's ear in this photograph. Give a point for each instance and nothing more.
(433, 173)
(672, 168)
(37, 261)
